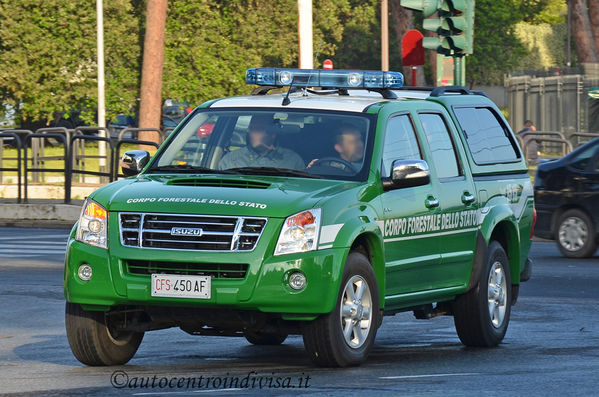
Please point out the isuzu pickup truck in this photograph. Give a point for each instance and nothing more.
(317, 205)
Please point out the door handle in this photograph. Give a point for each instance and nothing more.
(431, 202)
(467, 198)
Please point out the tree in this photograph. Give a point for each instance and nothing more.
(594, 19)
(586, 50)
(150, 108)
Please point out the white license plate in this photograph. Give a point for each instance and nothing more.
(175, 286)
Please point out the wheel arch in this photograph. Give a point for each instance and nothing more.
(370, 244)
(506, 233)
(501, 225)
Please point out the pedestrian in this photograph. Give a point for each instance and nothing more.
(527, 127)
(531, 149)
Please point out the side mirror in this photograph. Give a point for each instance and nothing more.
(407, 173)
(134, 161)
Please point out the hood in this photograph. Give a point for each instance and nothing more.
(218, 194)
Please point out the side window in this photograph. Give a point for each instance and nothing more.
(581, 160)
(400, 142)
(442, 150)
(487, 137)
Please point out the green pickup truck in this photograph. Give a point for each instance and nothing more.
(315, 211)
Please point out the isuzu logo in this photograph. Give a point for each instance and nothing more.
(186, 231)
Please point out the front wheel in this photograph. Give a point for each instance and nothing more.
(93, 339)
(576, 234)
(345, 336)
(481, 315)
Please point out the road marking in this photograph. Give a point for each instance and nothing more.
(429, 375)
(44, 251)
(13, 256)
(34, 246)
(36, 237)
(186, 392)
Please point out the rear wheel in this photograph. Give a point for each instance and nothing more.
(265, 338)
(95, 341)
(345, 336)
(575, 234)
(482, 315)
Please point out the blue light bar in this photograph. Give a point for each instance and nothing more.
(366, 79)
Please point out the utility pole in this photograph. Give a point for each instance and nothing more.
(384, 35)
(304, 29)
(150, 107)
(101, 95)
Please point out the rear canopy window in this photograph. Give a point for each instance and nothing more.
(487, 137)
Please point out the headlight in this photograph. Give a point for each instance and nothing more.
(93, 224)
(299, 233)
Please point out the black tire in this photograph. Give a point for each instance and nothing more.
(574, 223)
(471, 311)
(324, 339)
(265, 338)
(92, 342)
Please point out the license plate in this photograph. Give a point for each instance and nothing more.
(175, 286)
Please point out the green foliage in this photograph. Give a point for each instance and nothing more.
(497, 50)
(48, 52)
(545, 45)
(553, 12)
(514, 34)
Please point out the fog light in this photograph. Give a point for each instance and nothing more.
(297, 280)
(85, 272)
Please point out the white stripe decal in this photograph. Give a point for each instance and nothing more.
(472, 229)
(328, 233)
(325, 246)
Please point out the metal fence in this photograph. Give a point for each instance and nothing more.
(31, 159)
(555, 103)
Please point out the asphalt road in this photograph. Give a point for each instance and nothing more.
(551, 347)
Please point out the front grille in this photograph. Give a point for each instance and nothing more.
(190, 232)
(216, 270)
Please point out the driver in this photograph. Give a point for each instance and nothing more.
(349, 145)
(261, 149)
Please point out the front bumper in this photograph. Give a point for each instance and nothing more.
(264, 287)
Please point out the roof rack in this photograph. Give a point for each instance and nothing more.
(438, 91)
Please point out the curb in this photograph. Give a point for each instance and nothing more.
(39, 215)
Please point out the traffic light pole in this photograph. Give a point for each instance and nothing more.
(459, 70)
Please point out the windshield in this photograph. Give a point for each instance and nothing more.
(309, 144)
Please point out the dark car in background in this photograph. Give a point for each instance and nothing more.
(174, 112)
(567, 201)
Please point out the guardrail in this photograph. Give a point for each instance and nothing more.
(32, 155)
(577, 135)
(67, 164)
(566, 146)
(15, 137)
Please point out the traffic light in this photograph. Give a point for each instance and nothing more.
(454, 25)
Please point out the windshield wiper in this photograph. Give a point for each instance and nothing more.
(273, 171)
(183, 168)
